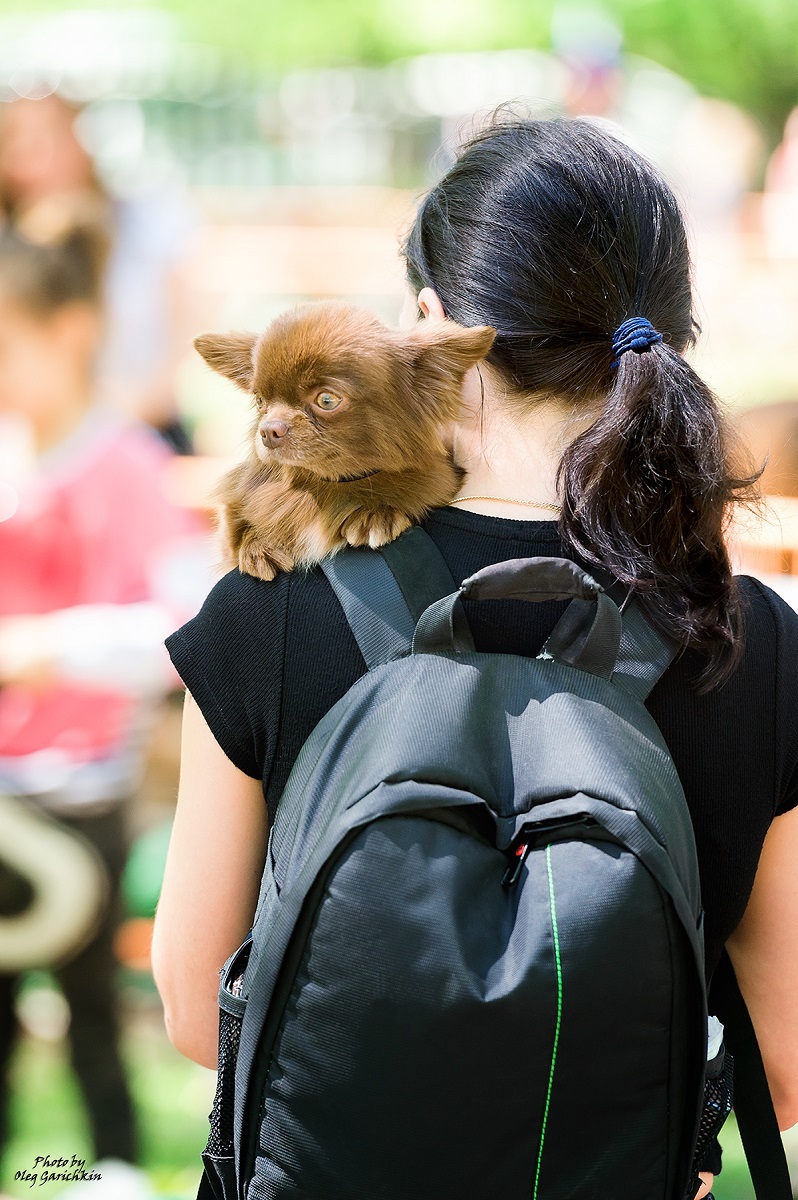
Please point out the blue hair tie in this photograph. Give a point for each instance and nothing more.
(635, 334)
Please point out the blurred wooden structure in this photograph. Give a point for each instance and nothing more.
(770, 432)
(767, 544)
(304, 242)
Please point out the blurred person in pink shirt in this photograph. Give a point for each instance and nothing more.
(87, 537)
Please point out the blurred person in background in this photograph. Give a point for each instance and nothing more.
(780, 208)
(87, 534)
(782, 172)
(709, 149)
(42, 157)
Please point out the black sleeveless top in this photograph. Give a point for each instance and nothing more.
(265, 661)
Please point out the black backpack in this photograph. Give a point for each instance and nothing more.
(476, 968)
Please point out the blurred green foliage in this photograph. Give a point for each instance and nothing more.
(143, 873)
(743, 50)
(172, 1096)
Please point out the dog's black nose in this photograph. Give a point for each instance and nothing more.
(273, 431)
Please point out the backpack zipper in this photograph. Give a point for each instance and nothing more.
(528, 837)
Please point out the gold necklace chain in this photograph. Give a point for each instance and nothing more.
(508, 500)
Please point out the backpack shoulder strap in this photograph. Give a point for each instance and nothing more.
(645, 653)
(419, 570)
(384, 592)
(753, 1104)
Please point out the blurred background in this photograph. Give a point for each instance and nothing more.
(217, 163)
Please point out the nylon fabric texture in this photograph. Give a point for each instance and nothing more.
(395, 828)
(461, 520)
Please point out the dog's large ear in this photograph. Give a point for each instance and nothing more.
(230, 354)
(446, 350)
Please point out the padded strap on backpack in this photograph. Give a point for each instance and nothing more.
(753, 1104)
(645, 653)
(384, 593)
(419, 569)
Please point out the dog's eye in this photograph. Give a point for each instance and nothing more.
(259, 400)
(328, 401)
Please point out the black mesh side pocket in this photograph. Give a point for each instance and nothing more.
(718, 1100)
(220, 1138)
(218, 1153)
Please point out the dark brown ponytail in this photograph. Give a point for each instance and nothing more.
(555, 233)
(646, 492)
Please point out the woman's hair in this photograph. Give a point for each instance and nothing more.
(555, 233)
(55, 254)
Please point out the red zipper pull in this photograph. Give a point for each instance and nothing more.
(514, 868)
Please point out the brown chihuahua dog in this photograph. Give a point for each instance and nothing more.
(348, 444)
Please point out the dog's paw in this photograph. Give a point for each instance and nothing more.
(375, 528)
(254, 559)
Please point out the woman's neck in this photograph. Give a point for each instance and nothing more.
(510, 453)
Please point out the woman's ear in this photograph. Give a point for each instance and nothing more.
(430, 304)
(230, 354)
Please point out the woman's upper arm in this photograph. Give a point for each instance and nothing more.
(210, 889)
(764, 952)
